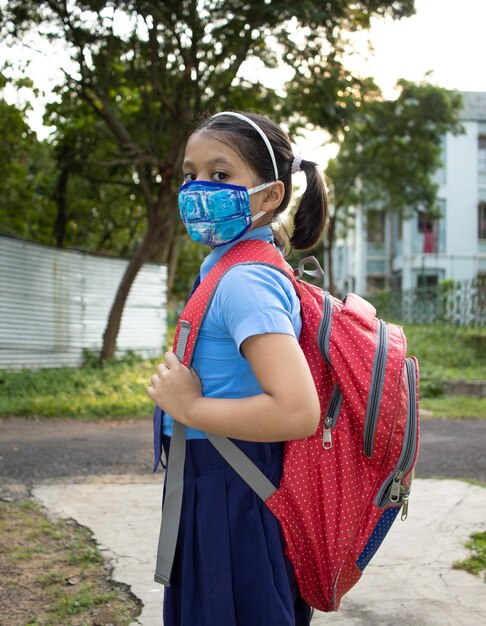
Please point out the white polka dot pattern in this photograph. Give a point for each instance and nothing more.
(326, 499)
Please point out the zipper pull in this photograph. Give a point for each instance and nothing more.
(404, 508)
(395, 487)
(326, 433)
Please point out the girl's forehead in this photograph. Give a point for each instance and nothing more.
(208, 146)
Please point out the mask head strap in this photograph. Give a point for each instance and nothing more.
(259, 131)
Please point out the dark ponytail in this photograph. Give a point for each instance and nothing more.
(310, 216)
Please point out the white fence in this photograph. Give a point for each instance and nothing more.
(462, 303)
(54, 304)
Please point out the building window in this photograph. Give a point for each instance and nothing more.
(396, 281)
(427, 280)
(375, 226)
(425, 224)
(482, 155)
(374, 284)
(482, 220)
(429, 228)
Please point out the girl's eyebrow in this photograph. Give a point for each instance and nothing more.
(211, 163)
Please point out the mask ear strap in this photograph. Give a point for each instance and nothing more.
(260, 187)
(259, 131)
(254, 190)
(258, 216)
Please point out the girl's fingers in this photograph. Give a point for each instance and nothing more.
(162, 369)
(171, 359)
(154, 380)
(194, 374)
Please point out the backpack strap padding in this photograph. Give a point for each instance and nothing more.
(362, 310)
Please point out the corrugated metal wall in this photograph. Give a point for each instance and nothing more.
(55, 303)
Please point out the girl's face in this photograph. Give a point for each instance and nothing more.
(208, 158)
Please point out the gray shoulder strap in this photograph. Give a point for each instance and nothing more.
(171, 516)
(169, 530)
(243, 466)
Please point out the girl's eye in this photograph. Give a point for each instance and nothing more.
(220, 176)
(188, 177)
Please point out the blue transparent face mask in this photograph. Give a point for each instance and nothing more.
(216, 213)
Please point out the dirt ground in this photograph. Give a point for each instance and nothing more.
(52, 573)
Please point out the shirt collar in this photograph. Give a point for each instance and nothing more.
(264, 233)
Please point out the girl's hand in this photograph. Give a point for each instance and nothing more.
(174, 388)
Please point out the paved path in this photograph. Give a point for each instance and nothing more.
(99, 473)
(31, 450)
(410, 580)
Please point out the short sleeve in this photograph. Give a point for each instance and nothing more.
(257, 299)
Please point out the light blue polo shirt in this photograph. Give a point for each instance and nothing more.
(250, 300)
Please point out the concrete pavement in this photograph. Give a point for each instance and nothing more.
(410, 580)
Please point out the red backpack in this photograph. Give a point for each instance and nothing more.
(341, 488)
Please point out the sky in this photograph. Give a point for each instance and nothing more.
(445, 38)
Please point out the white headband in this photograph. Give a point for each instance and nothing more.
(259, 131)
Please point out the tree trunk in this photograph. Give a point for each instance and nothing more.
(168, 253)
(142, 254)
(389, 243)
(175, 249)
(61, 205)
(331, 235)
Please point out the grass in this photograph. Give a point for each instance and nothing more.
(52, 573)
(117, 390)
(448, 352)
(454, 407)
(473, 481)
(476, 562)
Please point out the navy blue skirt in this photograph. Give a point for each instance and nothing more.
(230, 569)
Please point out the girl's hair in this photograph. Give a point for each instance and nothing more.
(311, 213)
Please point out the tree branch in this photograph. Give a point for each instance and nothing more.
(108, 181)
(155, 73)
(223, 89)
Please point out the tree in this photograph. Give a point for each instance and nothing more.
(52, 192)
(389, 154)
(26, 173)
(99, 204)
(147, 68)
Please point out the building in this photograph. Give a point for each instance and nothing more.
(384, 252)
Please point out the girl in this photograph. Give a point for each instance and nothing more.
(250, 380)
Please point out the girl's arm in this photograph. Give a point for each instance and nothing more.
(287, 409)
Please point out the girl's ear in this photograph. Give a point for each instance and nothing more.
(273, 196)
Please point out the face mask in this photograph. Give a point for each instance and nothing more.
(216, 213)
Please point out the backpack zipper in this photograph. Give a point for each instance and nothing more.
(376, 387)
(393, 491)
(332, 414)
(324, 331)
